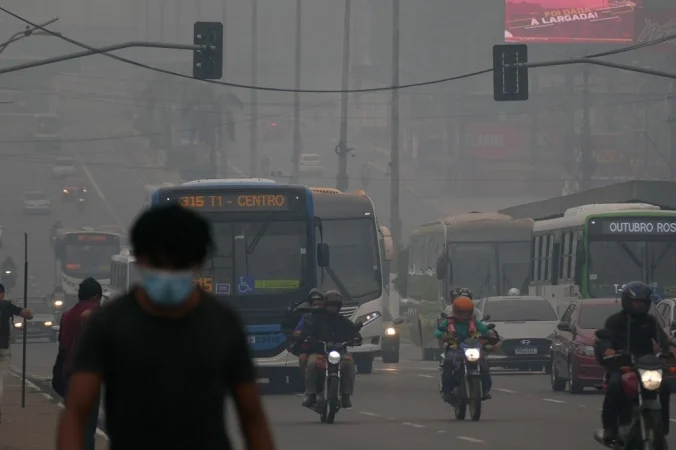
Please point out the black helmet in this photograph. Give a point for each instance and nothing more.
(314, 295)
(334, 298)
(452, 295)
(465, 292)
(633, 291)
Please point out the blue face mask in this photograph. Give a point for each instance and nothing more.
(166, 288)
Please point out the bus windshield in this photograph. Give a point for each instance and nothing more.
(258, 257)
(615, 262)
(354, 257)
(89, 260)
(490, 268)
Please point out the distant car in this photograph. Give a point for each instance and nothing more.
(36, 202)
(47, 132)
(63, 167)
(40, 326)
(72, 187)
(276, 130)
(526, 325)
(573, 361)
(310, 164)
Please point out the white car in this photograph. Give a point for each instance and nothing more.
(63, 167)
(36, 202)
(310, 164)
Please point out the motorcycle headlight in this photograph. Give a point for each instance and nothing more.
(651, 379)
(48, 323)
(472, 354)
(58, 303)
(334, 357)
(18, 324)
(584, 350)
(390, 331)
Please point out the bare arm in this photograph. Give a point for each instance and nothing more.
(252, 419)
(83, 395)
(26, 313)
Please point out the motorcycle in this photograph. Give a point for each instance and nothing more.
(468, 392)
(80, 204)
(640, 420)
(8, 278)
(328, 401)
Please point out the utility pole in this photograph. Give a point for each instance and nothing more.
(147, 30)
(225, 127)
(395, 219)
(162, 20)
(177, 19)
(534, 136)
(586, 159)
(296, 96)
(342, 150)
(253, 154)
(672, 128)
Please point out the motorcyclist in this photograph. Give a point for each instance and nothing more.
(460, 325)
(317, 306)
(265, 164)
(514, 292)
(8, 265)
(330, 327)
(632, 330)
(455, 293)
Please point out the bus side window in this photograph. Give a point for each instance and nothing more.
(579, 261)
(533, 259)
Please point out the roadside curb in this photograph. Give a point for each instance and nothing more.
(43, 386)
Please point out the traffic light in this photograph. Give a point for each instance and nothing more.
(510, 84)
(208, 62)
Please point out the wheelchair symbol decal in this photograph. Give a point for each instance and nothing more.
(246, 285)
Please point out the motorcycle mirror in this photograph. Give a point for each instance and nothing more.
(398, 321)
(490, 326)
(443, 315)
(487, 317)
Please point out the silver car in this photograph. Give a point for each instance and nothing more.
(40, 326)
(526, 326)
(36, 202)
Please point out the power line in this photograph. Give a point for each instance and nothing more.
(309, 91)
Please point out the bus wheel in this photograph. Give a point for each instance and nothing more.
(364, 364)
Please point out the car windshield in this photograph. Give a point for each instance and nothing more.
(258, 258)
(614, 262)
(89, 260)
(354, 256)
(592, 317)
(40, 308)
(35, 196)
(519, 310)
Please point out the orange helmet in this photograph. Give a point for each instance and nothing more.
(463, 308)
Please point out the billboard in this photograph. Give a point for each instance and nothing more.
(654, 24)
(570, 21)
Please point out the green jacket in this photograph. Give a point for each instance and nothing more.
(462, 329)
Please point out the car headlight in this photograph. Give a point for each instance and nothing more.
(58, 303)
(65, 191)
(48, 323)
(390, 331)
(367, 318)
(18, 324)
(584, 350)
(651, 379)
(472, 354)
(334, 357)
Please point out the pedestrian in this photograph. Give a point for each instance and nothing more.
(70, 330)
(167, 352)
(8, 310)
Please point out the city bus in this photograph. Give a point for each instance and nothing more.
(359, 246)
(265, 258)
(80, 253)
(593, 250)
(123, 275)
(151, 189)
(486, 252)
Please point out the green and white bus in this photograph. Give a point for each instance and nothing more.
(593, 250)
(486, 252)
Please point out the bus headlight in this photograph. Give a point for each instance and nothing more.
(334, 357)
(367, 318)
(651, 379)
(390, 331)
(48, 323)
(18, 324)
(58, 303)
(472, 354)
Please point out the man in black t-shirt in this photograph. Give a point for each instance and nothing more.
(8, 310)
(167, 352)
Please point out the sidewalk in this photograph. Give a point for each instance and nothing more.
(33, 427)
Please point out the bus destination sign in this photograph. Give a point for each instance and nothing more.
(236, 201)
(643, 226)
(91, 238)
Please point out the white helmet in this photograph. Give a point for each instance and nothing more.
(514, 292)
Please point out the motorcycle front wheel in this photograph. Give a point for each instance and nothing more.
(461, 406)
(655, 439)
(475, 398)
(332, 400)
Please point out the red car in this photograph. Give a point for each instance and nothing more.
(573, 362)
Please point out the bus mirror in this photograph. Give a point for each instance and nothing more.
(441, 268)
(388, 248)
(323, 253)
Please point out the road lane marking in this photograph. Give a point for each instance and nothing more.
(425, 376)
(470, 439)
(370, 414)
(441, 431)
(414, 425)
(551, 400)
(508, 391)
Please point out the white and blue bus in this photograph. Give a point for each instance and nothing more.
(265, 257)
